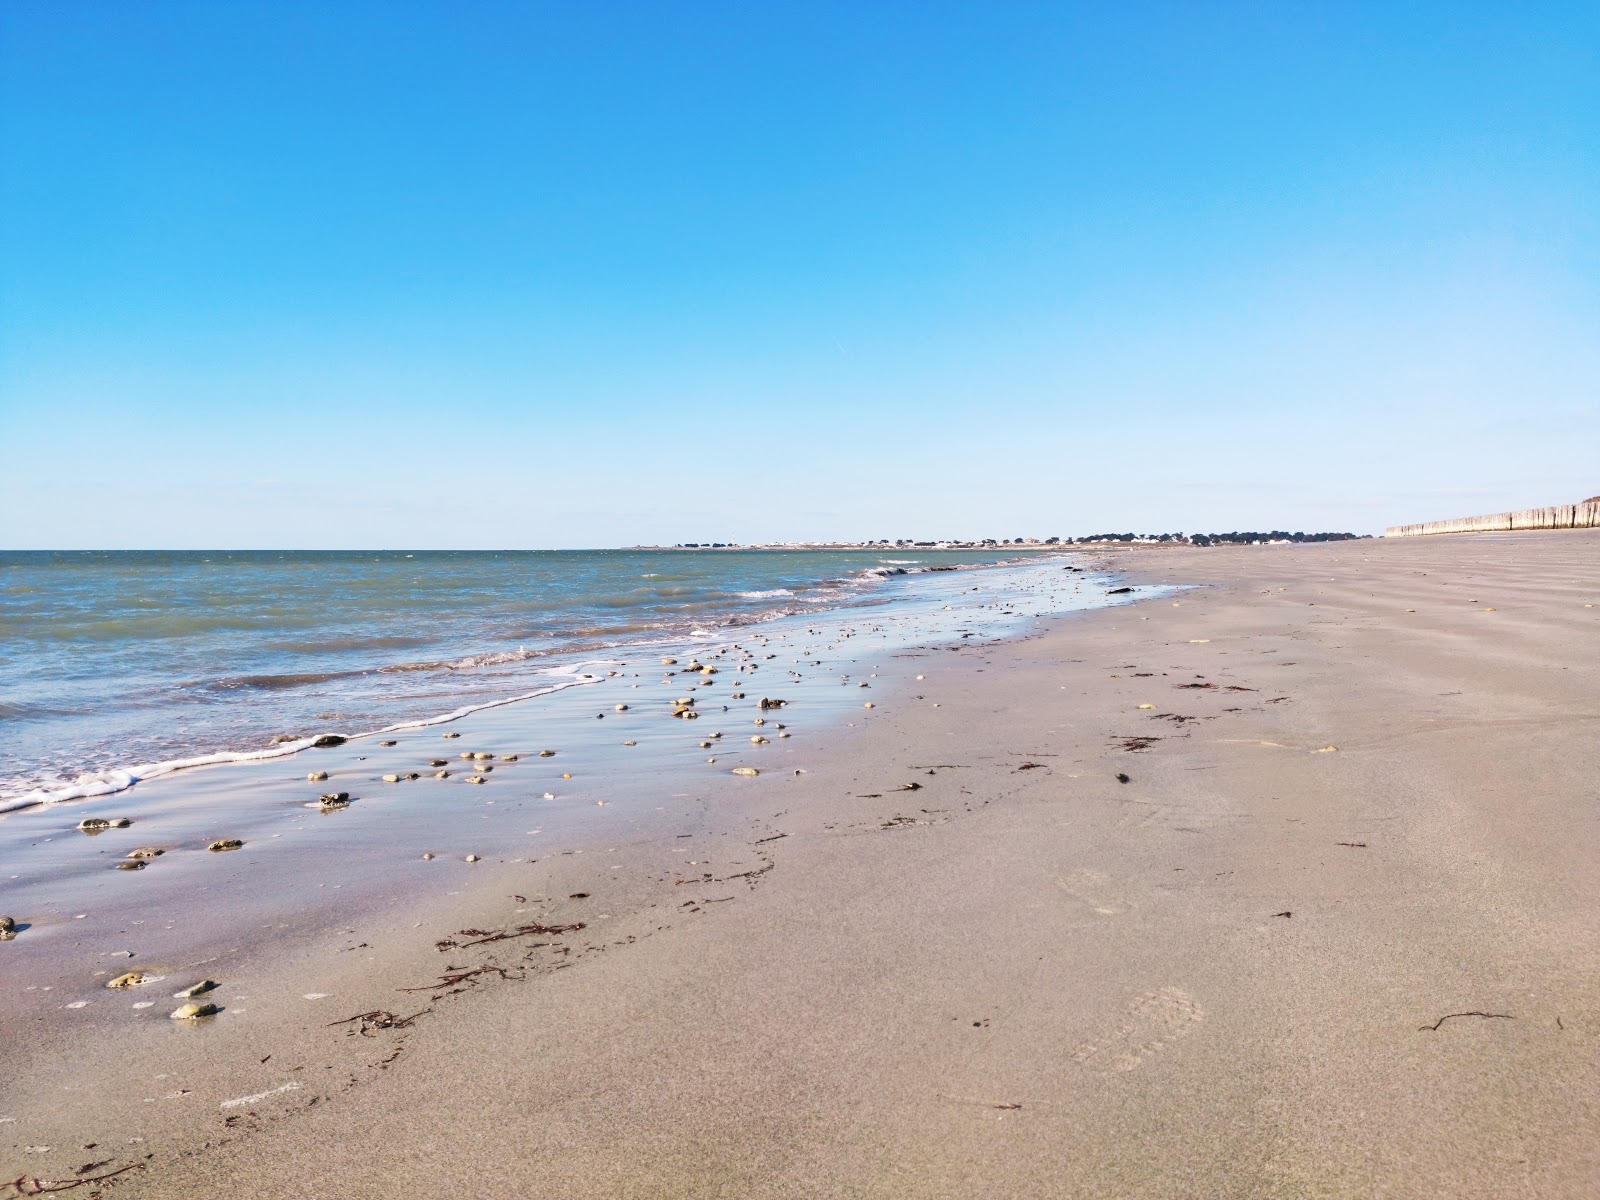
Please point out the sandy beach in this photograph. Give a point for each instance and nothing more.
(1281, 885)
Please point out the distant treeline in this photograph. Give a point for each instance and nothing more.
(1215, 539)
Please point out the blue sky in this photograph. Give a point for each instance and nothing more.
(526, 275)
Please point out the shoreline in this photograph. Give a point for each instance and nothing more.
(1007, 979)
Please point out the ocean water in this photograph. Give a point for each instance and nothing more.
(116, 666)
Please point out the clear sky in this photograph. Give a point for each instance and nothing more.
(572, 274)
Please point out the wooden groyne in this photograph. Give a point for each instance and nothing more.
(1560, 516)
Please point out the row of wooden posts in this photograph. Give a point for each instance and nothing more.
(1560, 516)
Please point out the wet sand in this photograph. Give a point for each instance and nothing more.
(1335, 936)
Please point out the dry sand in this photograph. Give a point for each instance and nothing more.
(1233, 975)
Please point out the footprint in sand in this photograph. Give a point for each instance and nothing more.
(1155, 1020)
(1094, 889)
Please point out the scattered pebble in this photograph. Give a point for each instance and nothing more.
(547, 754)
(317, 776)
(388, 743)
(195, 989)
(193, 1012)
(222, 844)
(391, 779)
(472, 858)
(95, 824)
(745, 771)
(137, 864)
(131, 979)
(427, 855)
(451, 735)
(146, 852)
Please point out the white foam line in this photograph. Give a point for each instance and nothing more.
(112, 782)
(288, 1087)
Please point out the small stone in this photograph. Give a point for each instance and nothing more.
(622, 708)
(195, 989)
(472, 858)
(131, 979)
(476, 779)
(427, 856)
(547, 754)
(137, 864)
(508, 758)
(868, 704)
(335, 800)
(705, 745)
(1147, 706)
(442, 775)
(94, 824)
(745, 771)
(391, 779)
(317, 776)
(8, 925)
(566, 775)
(438, 762)
(919, 676)
(758, 740)
(193, 1012)
(1328, 750)
(466, 754)
(146, 852)
(388, 743)
(450, 735)
(284, 737)
(630, 743)
(329, 739)
(222, 844)
(483, 754)
(784, 734)
(669, 662)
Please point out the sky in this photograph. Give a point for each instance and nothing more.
(525, 275)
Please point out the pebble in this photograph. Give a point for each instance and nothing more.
(450, 735)
(438, 762)
(476, 779)
(442, 775)
(508, 758)
(146, 852)
(758, 740)
(427, 855)
(317, 776)
(334, 800)
(193, 1012)
(745, 771)
(222, 844)
(547, 754)
(1147, 706)
(630, 743)
(868, 704)
(622, 708)
(669, 662)
(131, 979)
(472, 858)
(8, 927)
(483, 754)
(137, 864)
(195, 989)
(95, 824)
(388, 743)
(391, 779)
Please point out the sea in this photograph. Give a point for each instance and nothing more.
(119, 666)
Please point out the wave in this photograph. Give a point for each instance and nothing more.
(108, 783)
(275, 682)
(338, 645)
(764, 595)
